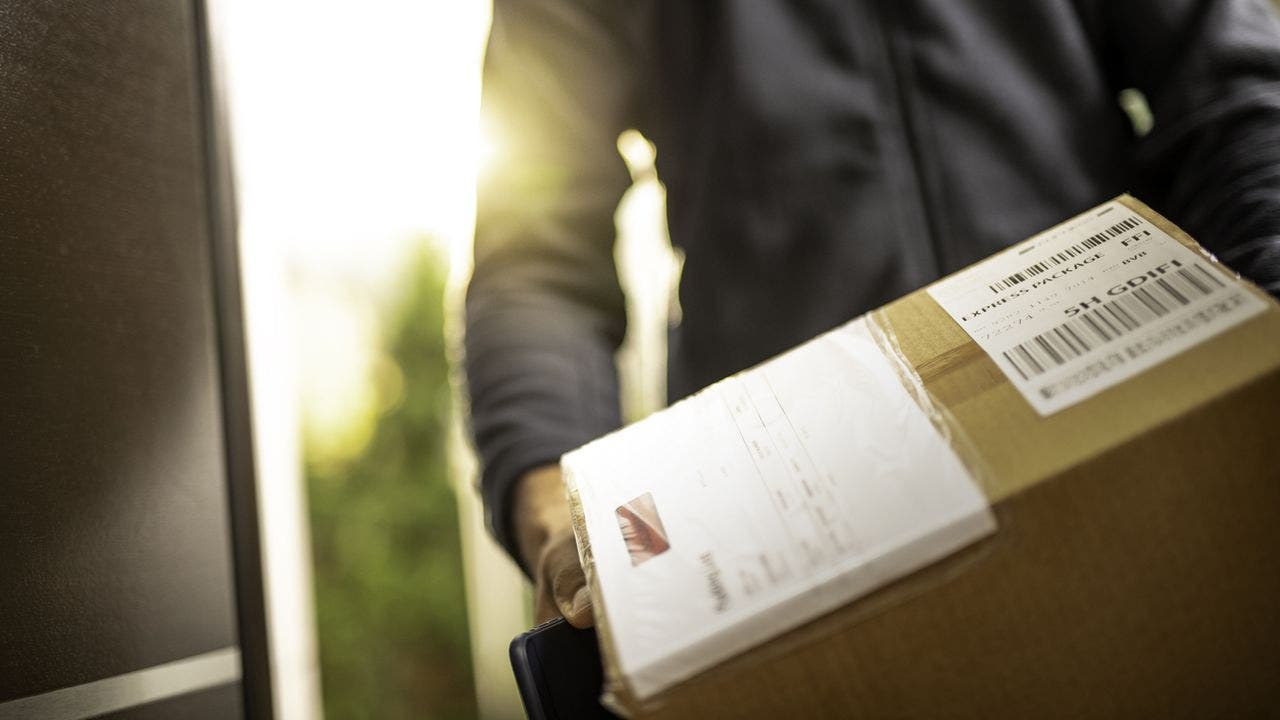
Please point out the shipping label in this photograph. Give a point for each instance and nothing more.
(764, 501)
(1091, 303)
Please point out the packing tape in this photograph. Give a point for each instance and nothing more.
(615, 694)
(943, 420)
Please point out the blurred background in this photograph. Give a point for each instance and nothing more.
(357, 141)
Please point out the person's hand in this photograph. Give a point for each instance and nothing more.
(544, 532)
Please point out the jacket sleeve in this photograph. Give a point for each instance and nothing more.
(1210, 70)
(544, 311)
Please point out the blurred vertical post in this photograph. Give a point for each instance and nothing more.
(649, 272)
(497, 598)
(498, 606)
(286, 557)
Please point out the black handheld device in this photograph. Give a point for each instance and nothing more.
(557, 668)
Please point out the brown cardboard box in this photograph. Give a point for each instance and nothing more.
(1135, 571)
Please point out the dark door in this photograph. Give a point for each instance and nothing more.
(128, 581)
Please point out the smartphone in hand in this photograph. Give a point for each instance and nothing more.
(558, 671)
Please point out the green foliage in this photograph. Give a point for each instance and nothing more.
(388, 564)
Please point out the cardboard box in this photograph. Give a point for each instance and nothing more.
(1134, 566)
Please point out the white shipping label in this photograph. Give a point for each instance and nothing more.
(764, 501)
(1091, 303)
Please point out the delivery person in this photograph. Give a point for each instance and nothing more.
(821, 158)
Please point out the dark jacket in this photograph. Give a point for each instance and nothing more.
(822, 157)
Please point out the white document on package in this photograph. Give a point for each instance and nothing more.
(764, 501)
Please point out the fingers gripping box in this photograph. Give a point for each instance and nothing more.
(1044, 485)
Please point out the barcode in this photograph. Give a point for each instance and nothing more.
(1110, 320)
(1093, 241)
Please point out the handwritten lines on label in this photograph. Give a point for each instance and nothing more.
(1096, 326)
(1093, 241)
